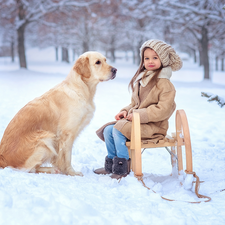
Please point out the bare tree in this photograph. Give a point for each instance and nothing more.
(9, 36)
(204, 19)
(140, 24)
(23, 12)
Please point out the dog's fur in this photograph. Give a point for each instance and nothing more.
(44, 130)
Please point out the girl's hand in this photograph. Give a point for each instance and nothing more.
(121, 115)
(130, 116)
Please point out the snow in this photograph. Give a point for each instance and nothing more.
(27, 198)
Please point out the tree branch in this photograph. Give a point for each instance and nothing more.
(211, 97)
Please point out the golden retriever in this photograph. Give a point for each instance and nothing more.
(44, 130)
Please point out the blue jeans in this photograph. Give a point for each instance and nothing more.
(115, 143)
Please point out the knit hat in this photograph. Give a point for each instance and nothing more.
(166, 53)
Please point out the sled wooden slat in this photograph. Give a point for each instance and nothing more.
(180, 138)
(153, 145)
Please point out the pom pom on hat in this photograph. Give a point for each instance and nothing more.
(166, 53)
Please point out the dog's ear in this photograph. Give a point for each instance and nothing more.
(82, 67)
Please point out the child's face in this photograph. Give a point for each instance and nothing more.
(151, 60)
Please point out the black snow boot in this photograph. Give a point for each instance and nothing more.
(120, 168)
(108, 167)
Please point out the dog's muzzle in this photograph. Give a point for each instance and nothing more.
(113, 70)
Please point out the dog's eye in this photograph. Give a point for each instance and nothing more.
(98, 62)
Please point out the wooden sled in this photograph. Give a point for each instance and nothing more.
(180, 138)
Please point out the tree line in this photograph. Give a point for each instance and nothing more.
(195, 27)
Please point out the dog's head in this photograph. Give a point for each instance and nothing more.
(92, 65)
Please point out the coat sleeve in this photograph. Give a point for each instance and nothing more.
(161, 110)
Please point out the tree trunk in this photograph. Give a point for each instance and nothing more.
(12, 51)
(200, 58)
(21, 47)
(216, 63)
(85, 46)
(20, 35)
(141, 23)
(113, 57)
(112, 49)
(56, 54)
(86, 35)
(74, 54)
(195, 57)
(205, 52)
(222, 64)
(134, 58)
(65, 55)
(138, 51)
(192, 52)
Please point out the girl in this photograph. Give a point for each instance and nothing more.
(152, 97)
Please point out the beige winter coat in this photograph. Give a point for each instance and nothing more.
(154, 103)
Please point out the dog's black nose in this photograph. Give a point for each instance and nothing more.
(113, 70)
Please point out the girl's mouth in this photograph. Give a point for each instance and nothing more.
(151, 66)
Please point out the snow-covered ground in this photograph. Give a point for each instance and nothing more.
(27, 198)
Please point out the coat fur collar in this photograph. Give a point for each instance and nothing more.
(166, 72)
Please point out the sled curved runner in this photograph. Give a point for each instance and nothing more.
(178, 139)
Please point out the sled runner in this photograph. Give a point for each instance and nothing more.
(178, 139)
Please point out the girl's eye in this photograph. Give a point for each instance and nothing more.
(155, 58)
(98, 62)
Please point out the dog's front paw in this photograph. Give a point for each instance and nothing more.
(72, 172)
(79, 174)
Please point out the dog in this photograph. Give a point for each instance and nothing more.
(44, 130)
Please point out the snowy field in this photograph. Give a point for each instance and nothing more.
(43, 199)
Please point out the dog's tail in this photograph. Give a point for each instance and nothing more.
(3, 162)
